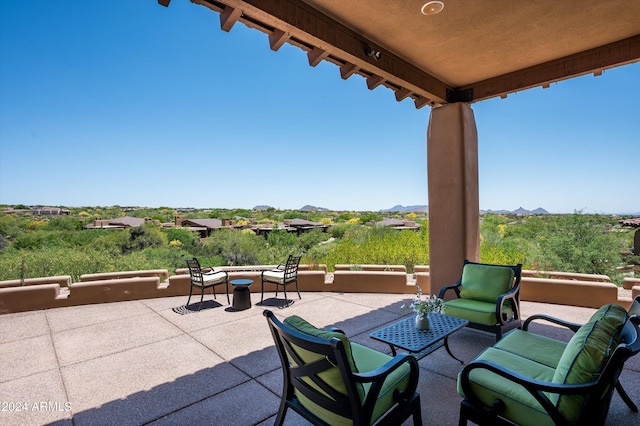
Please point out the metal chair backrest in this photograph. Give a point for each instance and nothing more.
(291, 268)
(194, 270)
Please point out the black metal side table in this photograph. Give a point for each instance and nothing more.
(241, 294)
(404, 335)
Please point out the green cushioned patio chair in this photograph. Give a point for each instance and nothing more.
(526, 380)
(203, 278)
(488, 296)
(331, 381)
(283, 275)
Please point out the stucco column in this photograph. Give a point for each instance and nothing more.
(452, 172)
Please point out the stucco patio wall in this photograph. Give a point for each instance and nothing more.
(61, 280)
(115, 290)
(358, 267)
(423, 279)
(29, 298)
(160, 273)
(565, 276)
(371, 282)
(629, 283)
(587, 294)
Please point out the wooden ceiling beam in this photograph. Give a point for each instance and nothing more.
(309, 26)
(347, 70)
(590, 61)
(374, 81)
(402, 94)
(316, 55)
(277, 38)
(228, 17)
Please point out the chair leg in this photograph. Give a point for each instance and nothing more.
(227, 288)
(417, 414)
(625, 397)
(201, 298)
(281, 413)
(298, 290)
(190, 291)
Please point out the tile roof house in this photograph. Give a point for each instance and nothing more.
(117, 223)
(398, 224)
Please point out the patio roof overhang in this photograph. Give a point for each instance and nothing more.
(468, 52)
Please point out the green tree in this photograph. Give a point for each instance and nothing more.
(580, 243)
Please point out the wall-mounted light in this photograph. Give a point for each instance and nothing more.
(375, 54)
(432, 7)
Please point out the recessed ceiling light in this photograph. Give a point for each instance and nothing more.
(432, 8)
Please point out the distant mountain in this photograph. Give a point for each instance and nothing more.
(262, 207)
(400, 208)
(520, 210)
(309, 208)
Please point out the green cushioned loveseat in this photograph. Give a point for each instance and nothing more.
(530, 379)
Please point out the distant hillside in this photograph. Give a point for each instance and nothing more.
(425, 209)
(407, 209)
(262, 207)
(520, 210)
(309, 208)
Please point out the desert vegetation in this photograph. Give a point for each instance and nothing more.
(33, 246)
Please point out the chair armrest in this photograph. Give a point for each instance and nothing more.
(510, 295)
(570, 325)
(379, 375)
(535, 387)
(335, 330)
(455, 287)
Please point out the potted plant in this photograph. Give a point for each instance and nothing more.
(423, 306)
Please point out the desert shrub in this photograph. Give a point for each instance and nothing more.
(381, 246)
(311, 239)
(186, 237)
(64, 223)
(141, 237)
(237, 248)
(580, 243)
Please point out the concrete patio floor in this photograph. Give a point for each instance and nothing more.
(155, 362)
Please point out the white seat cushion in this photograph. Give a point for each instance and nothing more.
(213, 278)
(274, 276)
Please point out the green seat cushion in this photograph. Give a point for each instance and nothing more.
(535, 347)
(485, 282)
(586, 353)
(520, 406)
(476, 310)
(368, 360)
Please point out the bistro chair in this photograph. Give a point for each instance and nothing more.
(488, 296)
(330, 381)
(283, 275)
(203, 278)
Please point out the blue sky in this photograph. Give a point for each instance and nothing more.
(126, 102)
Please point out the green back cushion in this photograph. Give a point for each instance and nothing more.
(586, 353)
(331, 376)
(485, 282)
